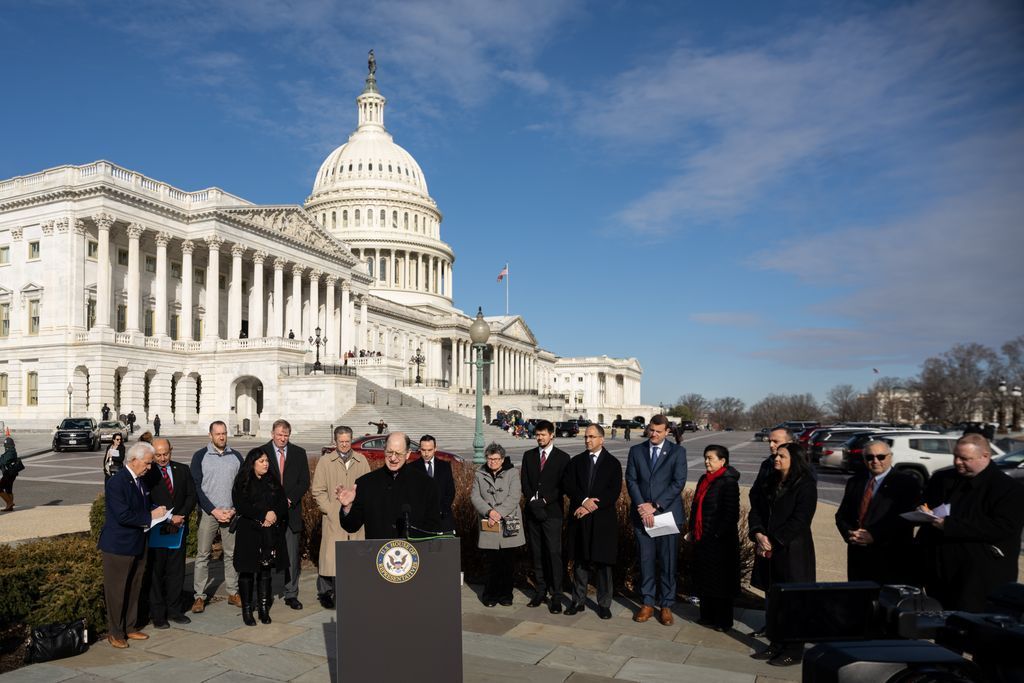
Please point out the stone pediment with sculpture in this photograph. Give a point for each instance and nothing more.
(295, 225)
(517, 329)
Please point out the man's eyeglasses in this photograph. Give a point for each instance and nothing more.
(394, 454)
(879, 458)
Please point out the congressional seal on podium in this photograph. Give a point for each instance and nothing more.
(398, 561)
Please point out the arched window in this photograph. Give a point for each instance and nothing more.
(323, 219)
(344, 218)
(383, 218)
(383, 270)
(334, 220)
(3, 389)
(406, 221)
(357, 218)
(394, 219)
(350, 168)
(390, 170)
(369, 218)
(360, 167)
(369, 266)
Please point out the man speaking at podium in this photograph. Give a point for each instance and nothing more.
(394, 501)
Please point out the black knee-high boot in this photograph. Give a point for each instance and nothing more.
(245, 586)
(263, 587)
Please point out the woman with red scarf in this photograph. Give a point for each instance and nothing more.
(714, 519)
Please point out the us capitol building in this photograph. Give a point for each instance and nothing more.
(116, 288)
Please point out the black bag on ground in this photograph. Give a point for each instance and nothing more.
(57, 641)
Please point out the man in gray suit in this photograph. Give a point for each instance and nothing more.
(655, 476)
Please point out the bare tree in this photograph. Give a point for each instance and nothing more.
(776, 408)
(691, 407)
(728, 412)
(844, 402)
(956, 385)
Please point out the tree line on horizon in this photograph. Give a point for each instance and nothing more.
(953, 387)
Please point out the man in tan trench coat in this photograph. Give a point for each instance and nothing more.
(338, 467)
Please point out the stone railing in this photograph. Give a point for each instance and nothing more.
(81, 337)
(123, 338)
(152, 343)
(261, 343)
(431, 383)
(187, 345)
(300, 370)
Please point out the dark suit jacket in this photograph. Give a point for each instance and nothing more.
(445, 485)
(296, 478)
(886, 560)
(548, 483)
(381, 496)
(663, 485)
(127, 516)
(184, 499)
(595, 537)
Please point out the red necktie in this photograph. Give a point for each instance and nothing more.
(543, 459)
(280, 460)
(865, 501)
(167, 479)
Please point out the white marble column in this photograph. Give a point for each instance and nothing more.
(423, 273)
(160, 320)
(134, 273)
(211, 324)
(103, 222)
(277, 315)
(364, 322)
(313, 320)
(330, 327)
(391, 269)
(78, 251)
(185, 323)
(458, 371)
(451, 281)
(494, 369)
(256, 298)
(235, 293)
(295, 323)
(347, 341)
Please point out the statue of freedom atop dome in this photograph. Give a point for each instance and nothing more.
(372, 64)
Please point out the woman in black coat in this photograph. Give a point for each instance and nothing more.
(261, 511)
(113, 459)
(714, 518)
(780, 527)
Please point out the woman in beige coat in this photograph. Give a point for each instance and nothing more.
(496, 494)
(340, 466)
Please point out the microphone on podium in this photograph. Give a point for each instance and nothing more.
(406, 509)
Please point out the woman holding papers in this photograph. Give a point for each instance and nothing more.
(780, 527)
(714, 517)
(261, 508)
(113, 460)
(496, 493)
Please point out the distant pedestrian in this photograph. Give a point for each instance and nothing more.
(156, 425)
(113, 460)
(105, 412)
(131, 422)
(381, 426)
(10, 465)
(625, 432)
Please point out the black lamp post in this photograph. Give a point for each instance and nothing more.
(418, 360)
(317, 343)
(71, 390)
(479, 331)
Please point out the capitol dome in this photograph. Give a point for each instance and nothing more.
(371, 194)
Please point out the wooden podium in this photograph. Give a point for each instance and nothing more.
(399, 610)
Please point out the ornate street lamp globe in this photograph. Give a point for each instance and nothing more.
(479, 331)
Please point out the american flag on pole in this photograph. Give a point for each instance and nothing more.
(503, 274)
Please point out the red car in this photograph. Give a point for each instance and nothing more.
(373, 448)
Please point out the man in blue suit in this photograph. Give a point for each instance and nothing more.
(655, 476)
(123, 544)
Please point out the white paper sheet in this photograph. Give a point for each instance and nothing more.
(664, 524)
(941, 512)
(161, 520)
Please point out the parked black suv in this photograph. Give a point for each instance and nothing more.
(622, 424)
(76, 432)
(569, 428)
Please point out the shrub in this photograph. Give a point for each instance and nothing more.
(52, 580)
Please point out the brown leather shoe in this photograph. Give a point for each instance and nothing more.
(117, 642)
(645, 613)
(137, 635)
(235, 599)
(198, 606)
(666, 617)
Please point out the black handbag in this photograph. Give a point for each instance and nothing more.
(57, 641)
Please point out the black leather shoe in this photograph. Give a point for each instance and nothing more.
(489, 603)
(573, 609)
(536, 601)
(180, 619)
(770, 652)
(555, 606)
(604, 612)
(160, 624)
(326, 601)
(507, 602)
(293, 603)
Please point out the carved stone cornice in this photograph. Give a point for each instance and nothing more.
(294, 225)
(162, 239)
(47, 227)
(213, 242)
(103, 221)
(135, 231)
(237, 250)
(188, 246)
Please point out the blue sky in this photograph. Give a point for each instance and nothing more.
(748, 197)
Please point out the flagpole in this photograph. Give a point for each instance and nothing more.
(507, 278)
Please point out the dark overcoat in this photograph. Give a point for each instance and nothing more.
(716, 556)
(978, 547)
(381, 496)
(887, 559)
(252, 540)
(594, 537)
(295, 480)
(783, 513)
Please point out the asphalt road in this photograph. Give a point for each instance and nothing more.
(76, 477)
